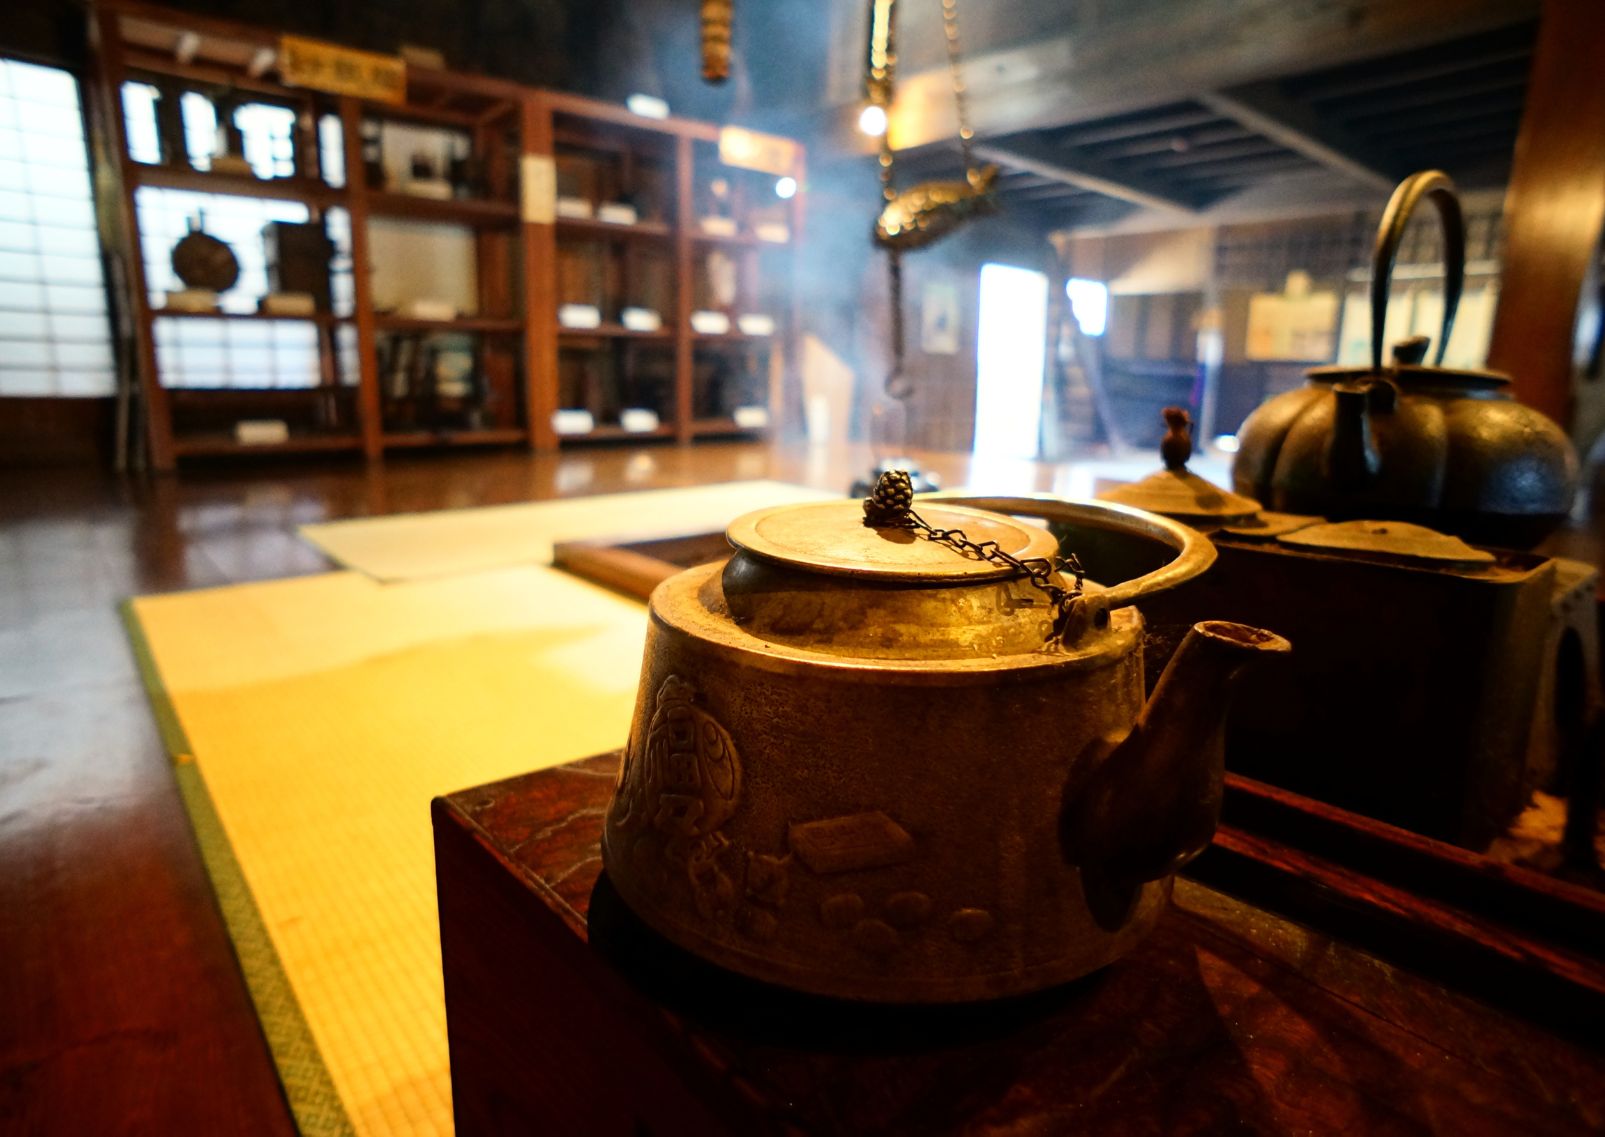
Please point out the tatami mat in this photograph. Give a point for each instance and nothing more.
(323, 713)
(420, 545)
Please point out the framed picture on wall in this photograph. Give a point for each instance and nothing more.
(939, 318)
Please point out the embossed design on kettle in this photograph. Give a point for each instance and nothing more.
(684, 780)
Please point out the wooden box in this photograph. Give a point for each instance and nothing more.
(567, 1016)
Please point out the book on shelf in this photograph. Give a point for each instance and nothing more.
(261, 431)
(288, 304)
(426, 309)
(191, 300)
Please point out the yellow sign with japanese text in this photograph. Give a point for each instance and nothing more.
(342, 70)
(750, 150)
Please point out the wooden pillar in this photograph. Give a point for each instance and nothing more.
(1554, 208)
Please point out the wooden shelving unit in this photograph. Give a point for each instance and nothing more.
(684, 158)
(378, 382)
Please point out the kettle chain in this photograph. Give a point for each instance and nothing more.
(890, 505)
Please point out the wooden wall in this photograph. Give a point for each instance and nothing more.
(49, 432)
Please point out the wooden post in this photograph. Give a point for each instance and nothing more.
(1554, 208)
(369, 414)
(540, 283)
(684, 270)
(108, 101)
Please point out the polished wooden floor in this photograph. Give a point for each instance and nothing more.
(121, 1007)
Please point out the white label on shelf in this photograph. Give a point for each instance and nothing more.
(425, 309)
(719, 226)
(288, 304)
(192, 300)
(647, 106)
(638, 420)
(538, 189)
(617, 213)
(573, 422)
(641, 319)
(579, 316)
(756, 324)
(710, 323)
(751, 418)
(775, 232)
(261, 431)
(436, 189)
(575, 207)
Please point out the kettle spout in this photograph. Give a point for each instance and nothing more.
(1352, 459)
(1142, 806)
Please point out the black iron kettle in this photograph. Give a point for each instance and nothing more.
(1430, 445)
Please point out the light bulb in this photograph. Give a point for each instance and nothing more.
(872, 120)
(786, 188)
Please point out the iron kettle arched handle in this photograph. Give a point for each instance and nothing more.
(1436, 185)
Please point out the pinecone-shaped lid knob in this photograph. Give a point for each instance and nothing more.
(889, 504)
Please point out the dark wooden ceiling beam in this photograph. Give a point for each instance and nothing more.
(1257, 170)
(1139, 127)
(1448, 93)
(1503, 125)
(1385, 79)
(1118, 59)
(1077, 168)
(1167, 142)
(1254, 147)
(1262, 108)
(1052, 193)
(1450, 118)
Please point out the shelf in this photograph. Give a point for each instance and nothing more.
(582, 228)
(456, 436)
(215, 444)
(456, 211)
(322, 319)
(617, 434)
(519, 267)
(716, 338)
(744, 238)
(704, 426)
(237, 185)
(614, 331)
(484, 324)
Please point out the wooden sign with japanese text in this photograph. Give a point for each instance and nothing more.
(342, 70)
(750, 150)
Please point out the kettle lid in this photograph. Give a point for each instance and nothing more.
(831, 537)
(1176, 491)
(1395, 539)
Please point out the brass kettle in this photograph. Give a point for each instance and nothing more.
(871, 763)
(1406, 442)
